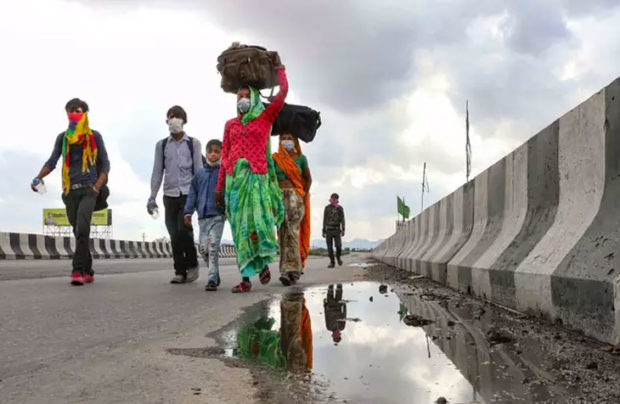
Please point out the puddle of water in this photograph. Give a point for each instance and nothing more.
(361, 264)
(372, 346)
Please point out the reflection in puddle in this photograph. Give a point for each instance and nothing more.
(335, 312)
(386, 350)
(289, 347)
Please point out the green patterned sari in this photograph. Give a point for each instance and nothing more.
(254, 209)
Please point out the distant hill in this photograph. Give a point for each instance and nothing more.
(360, 243)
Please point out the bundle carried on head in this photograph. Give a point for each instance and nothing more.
(247, 65)
(297, 120)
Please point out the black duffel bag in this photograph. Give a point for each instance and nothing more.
(248, 65)
(298, 120)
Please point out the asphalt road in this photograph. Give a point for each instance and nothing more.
(107, 342)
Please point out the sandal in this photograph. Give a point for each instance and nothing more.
(243, 287)
(265, 276)
(286, 281)
(294, 277)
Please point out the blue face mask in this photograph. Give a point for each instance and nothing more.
(243, 105)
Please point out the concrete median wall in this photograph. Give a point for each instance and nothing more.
(19, 246)
(539, 231)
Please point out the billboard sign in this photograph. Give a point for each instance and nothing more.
(58, 217)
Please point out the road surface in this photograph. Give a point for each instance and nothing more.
(107, 342)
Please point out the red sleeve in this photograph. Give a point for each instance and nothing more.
(272, 111)
(221, 179)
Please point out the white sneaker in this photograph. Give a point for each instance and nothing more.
(178, 279)
(192, 275)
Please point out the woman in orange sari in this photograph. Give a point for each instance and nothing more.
(295, 180)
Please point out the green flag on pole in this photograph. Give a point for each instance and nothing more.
(402, 208)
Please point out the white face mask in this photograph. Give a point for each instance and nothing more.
(288, 144)
(217, 163)
(175, 125)
(243, 105)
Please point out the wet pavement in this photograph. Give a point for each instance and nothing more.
(371, 343)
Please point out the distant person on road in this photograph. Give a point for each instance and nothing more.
(211, 217)
(247, 184)
(85, 168)
(177, 158)
(334, 229)
(335, 312)
(295, 181)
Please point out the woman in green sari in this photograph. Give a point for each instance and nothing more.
(247, 184)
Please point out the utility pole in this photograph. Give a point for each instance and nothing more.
(467, 143)
(425, 187)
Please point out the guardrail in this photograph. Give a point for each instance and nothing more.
(19, 246)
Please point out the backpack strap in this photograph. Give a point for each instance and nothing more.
(190, 143)
(164, 142)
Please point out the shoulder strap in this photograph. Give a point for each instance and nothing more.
(190, 143)
(164, 142)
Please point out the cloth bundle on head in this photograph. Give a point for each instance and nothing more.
(78, 133)
(286, 162)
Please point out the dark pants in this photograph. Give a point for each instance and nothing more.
(79, 204)
(331, 238)
(181, 236)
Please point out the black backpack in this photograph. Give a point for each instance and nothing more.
(190, 144)
(298, 120)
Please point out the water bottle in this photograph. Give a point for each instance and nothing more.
(39, 186)
(155, 213)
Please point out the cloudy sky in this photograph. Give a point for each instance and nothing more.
(390, 79)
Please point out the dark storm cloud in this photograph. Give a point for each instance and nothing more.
(348, 54)
(352, 56)
(590, 7)
(533, 26)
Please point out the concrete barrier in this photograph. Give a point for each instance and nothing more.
(228, 251)
(18, 246)
(539, 231)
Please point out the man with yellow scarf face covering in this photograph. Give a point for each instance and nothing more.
(247, 182)
(85, 168)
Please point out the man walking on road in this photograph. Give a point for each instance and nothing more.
(85, 168)
(333, 229)
(177, 158)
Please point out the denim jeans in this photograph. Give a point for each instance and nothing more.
(211, 229)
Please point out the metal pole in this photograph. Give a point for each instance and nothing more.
(467, 143)
(423, 186)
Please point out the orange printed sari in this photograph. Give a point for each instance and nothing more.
(286, 162)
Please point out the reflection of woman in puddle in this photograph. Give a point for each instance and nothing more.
(296, 332)
(291, 347)
(335, 312)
